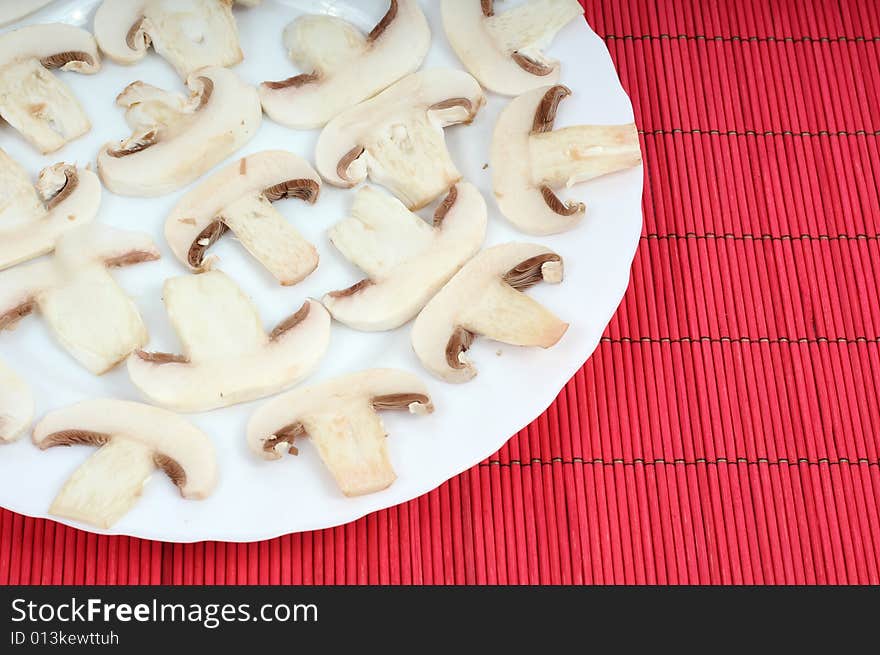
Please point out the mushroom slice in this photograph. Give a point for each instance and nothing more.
(341, 416)
(33, 219)
(530, 160)
(13, 11)
(189, 34)
(504, 50)
(133, 440)
(228, 357)
(484, 298)
(16, 405)
(239, 198)
(407, 260)
(397, 137)
(344, 67)
(32, 100)
(84, 306)
(175, 139)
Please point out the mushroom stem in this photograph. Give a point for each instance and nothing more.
(506, 315)
(107, 485)
(105, 332)
(40, 106)
(271, 238)
(353, 446)
(571, 155)
(410, 158)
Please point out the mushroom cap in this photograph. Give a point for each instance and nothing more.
(30, 225)
(55, 45)
(189, 34)
(398, 388)
(181, 449)
(504, 62)
(407, 260)
(226, 115)
(446, 96)
(519, 199)
(275, 173)
(113, 24)
(529, 158)
(484, 298)
(228, 357)
(12, 11)
(16, 405)
(342, 67)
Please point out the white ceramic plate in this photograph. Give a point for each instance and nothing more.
(257, 499)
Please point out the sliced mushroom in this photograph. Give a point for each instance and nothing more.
(239, 199)
(485, 299)
(530, 160)
(504, 50)
(16, 405)
(397, 137)
(341, 417)
(176, 139)
(407, 260)
(133, 440)
(32, 100)
(343, 66)
(13, 11)
(84, 306)
(228, 357)
(189, 34)
(33, 219)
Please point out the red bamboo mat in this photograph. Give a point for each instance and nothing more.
(727, 429)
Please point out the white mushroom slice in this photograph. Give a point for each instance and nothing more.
(485, 299)
(84, 306)
(529, 160)
(228, 357)
(16, 405)
(407, 260)
(341, 417)
(189, 34)
(32, 100)
(17, 9)
(504, 50)
(397, 137)
(176, 139)
(133, 440)
(239, 198)
(31, 222)
(344, 67)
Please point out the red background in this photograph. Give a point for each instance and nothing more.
(726, 430)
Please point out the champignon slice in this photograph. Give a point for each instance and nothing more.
(189, 34)
(397, 137)
(341, 417)
(504, 50)
(485, 299)
(13, 11)
(342, 66)
(32, 100)
(406, 259)
(175, 139)
(84, 306)
(228, 357)
(133, 440)
(16, 405)
(530, 160)
(239, 198)
(33, 219)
